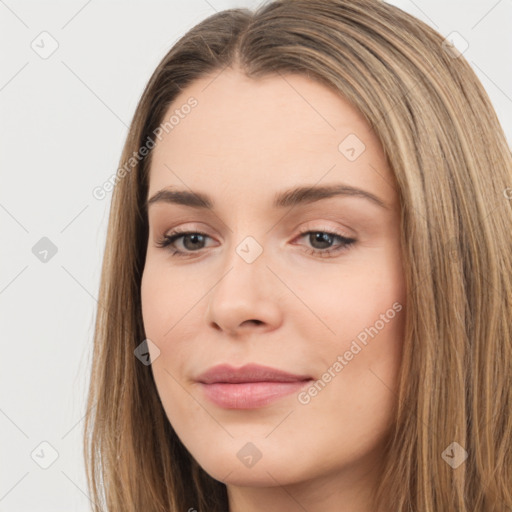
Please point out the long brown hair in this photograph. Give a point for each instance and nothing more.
(453, 167)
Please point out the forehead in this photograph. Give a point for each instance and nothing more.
(270, 133)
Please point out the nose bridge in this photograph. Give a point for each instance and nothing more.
(247, 238)
(242, 292)
(244, 267)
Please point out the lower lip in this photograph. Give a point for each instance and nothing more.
(249, 395)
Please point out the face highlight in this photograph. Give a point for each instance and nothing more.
(274, 240)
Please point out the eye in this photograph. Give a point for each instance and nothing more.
(193, 241)
(319, 239)
(194, 238)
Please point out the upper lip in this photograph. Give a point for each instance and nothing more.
(247, 373)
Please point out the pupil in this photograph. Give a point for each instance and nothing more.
(322, 238)
(195, 239)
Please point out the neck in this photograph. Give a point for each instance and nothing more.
(348, 490)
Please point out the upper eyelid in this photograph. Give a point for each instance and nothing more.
(325, 229)
(318, 225)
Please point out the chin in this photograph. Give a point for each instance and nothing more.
(268, 475)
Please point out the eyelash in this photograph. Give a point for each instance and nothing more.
(346, 243)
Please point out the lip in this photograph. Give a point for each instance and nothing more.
(249, 386)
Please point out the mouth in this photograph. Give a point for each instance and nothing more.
(250, 386)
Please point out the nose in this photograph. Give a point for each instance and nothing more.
(247, 296)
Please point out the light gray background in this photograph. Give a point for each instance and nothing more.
(63, 122)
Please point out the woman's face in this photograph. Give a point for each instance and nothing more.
(308, 283)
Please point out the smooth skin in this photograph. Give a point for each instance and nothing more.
(291, 308)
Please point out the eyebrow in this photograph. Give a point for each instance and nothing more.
(287, 198)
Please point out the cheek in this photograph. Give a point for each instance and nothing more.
(345, 303)
(164, 303)
(171, 309)
(151, 292)
(166, 298)
(361, 341)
